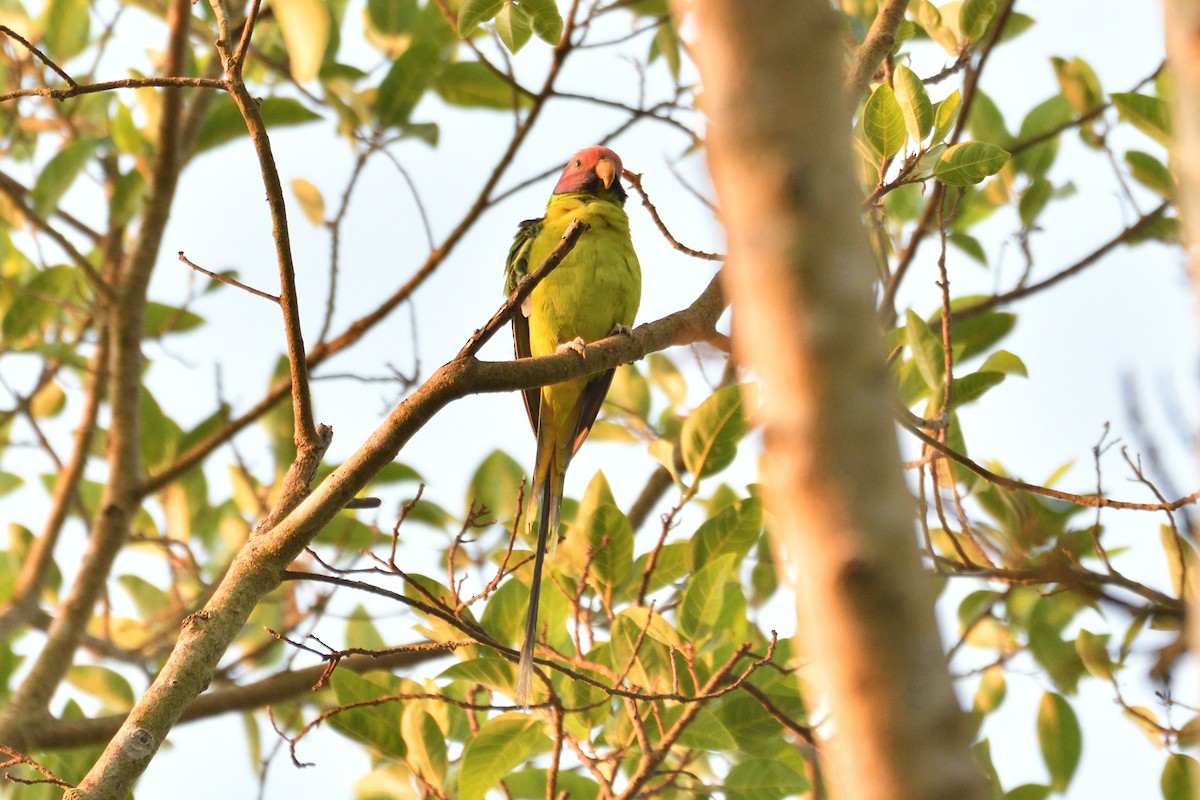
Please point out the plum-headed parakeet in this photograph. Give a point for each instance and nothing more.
(591, 294)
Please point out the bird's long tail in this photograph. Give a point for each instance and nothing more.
(525, 666)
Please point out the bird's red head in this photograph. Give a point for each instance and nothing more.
(592, 169)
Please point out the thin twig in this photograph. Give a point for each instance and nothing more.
(1010, 483)
(227, 280)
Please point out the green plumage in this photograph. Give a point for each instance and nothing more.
(593, 292)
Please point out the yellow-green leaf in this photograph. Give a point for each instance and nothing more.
(969, 163)
(503, 742)
(1150, 172)
(58, 175)
(310, 199)
(473, 12)
(1060, 739)
(1150, 115)
(945, 116)
(512, 23)
(883, 121)
(305, 25)
(711, 433)
(67, 25)
(914, 102)
(1180, 777)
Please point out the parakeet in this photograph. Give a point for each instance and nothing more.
(591, 294)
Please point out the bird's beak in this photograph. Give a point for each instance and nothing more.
(606, 172)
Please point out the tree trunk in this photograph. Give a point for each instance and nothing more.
(799, 277)
(1183, 52)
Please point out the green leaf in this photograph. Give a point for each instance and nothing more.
(1093, 652)
(502, 743)
(10, 482)
(474, 12)
(505, 611)
(977, 333)
(1033, 200)
(704, 596)
(498, 674)
(401, 89)
(470, 84)
(1028, 791)
(990, 692)
(128, 196)
(945, 116)
(927, 15)
(547, 22)
(108, 686)
(391, 17)
(986, 121)
(305, 25)
(597, 494)
(647, 656)
(162, 319)
(1150, 115)
(149, 599)
(377, 726)
(495, 485)
(48, 401)
(969, 163)
(704, 732)
(224, 122)
(530, 784)
(310, 200)
(974, 18)
(969, 245)
(361, 632)
(914, 102)
(710, 435)
(666, 44)
(606, 539)
(512, 23)
(1006, 362)
(883, 122)
(58, 175)
(395, 472)
(666, 376)
(1079, 84)
(1042, 119)
(926, 350)
(426, 745)
(67, 28)
(971, 387)
(765, 779)
(1180, 777)
(25, 319)
(670, 566)
(125, 134)
(1060, 739)
(1150, 172)
(734, 529)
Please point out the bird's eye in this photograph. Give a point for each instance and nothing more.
(578, 163)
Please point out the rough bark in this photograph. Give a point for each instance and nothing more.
(799, 276)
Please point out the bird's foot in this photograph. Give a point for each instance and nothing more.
(621, 330)
(576, 345)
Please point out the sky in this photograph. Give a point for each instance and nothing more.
(1129, 316)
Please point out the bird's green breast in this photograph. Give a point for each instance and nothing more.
(596, 287)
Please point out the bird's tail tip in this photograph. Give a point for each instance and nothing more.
(524, 690)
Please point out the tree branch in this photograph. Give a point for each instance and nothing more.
(260, 565)
(877, 45)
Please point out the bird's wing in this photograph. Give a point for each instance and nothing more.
(590, 401)
(516, 268)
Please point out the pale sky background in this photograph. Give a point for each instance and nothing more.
(1131, 314)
